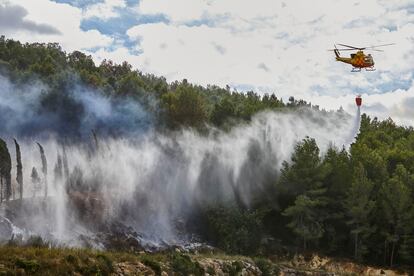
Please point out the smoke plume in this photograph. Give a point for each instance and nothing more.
(66, 110)
(152, 181)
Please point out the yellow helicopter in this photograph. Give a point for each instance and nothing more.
(359, 59)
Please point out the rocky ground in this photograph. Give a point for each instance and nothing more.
(237, 265)
(39, 259)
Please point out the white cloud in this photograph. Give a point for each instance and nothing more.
(104, 10)
(281, 46)
(63, 17)
(178, 10)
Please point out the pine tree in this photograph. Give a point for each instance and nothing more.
(359, 206)
(303, 178)
(304, 219)
(304, 172)
(337, 182)
(398, 209)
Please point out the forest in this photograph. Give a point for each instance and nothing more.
(355, 203)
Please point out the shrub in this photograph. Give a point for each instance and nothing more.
(233, 269)
(265, 267)
(234, 230)
(183, 265)
(36, 241)
(153, 264)
(29, 266)
(105, 263)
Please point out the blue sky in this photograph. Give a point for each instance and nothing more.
(264, 45)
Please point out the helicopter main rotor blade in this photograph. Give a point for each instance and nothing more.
(371, 47)
(352, 47)
(347, 49)
(342, 49)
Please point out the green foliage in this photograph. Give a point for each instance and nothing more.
(266, 267)
(223, 111)
(337, 182)
(305, 172)
(105, 264)
(398, 210)
(185, 107)
(302, 180)
(183, 265)
(359, 206)
(356, 203)
(153, 264)
(180, 104)
(304, 219)
(235, 230)
(29, 266)
(233, 269)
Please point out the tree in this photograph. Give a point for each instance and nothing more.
(185, 107)
(398, 209)
(359, 206)
(302, 187)
(304, 218)
(222, 111)
(337, 182)
(305, 171)
(132, 85)
(234, 230)
(5, 169)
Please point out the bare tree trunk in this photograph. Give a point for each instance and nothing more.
(44, 166)
(19, 167)
(95, 138)
(356, 245)
(392, 254)
(1, 189)
(304, 244)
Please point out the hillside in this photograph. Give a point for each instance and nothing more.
(45, 261)
(172, 105)
(111, 158)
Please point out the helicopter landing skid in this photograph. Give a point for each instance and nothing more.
(370, 69)
(356, 69)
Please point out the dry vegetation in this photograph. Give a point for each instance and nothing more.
(41, 260)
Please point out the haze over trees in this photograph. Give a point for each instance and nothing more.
(356, 203)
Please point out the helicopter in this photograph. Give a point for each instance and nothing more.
(359, 59)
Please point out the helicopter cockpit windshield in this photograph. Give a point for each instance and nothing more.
(368, 58)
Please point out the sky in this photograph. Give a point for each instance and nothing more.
(267, 46)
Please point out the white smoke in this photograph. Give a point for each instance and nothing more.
(66, 109)
(162, 178)
(355, 127)
(153, 180)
